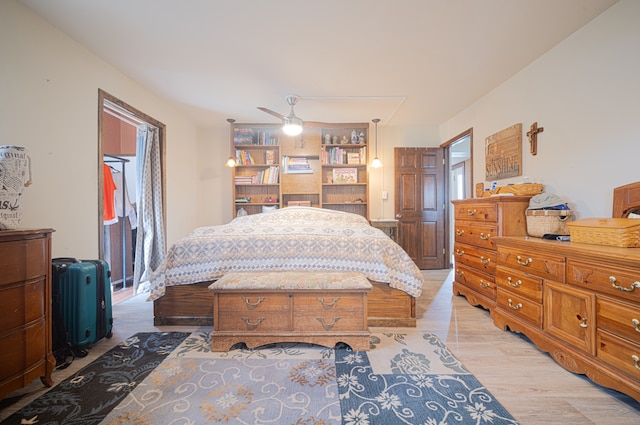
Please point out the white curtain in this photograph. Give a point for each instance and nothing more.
(150, 240)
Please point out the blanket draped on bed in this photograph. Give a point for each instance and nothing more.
(292, 238)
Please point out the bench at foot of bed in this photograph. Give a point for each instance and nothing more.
(259, 308)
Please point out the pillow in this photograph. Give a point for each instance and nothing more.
(269, 208)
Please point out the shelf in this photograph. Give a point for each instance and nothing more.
(313, 186)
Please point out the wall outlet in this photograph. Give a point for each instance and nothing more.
(385, 195)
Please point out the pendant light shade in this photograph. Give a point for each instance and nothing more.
(231, 161)
(376, 163)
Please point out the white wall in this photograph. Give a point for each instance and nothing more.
(49, 104)
(584, 92)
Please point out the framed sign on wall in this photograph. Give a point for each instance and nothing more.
(503, 153)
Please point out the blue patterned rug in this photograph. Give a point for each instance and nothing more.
(174, 378)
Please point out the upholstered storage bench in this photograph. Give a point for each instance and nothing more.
(260, 308)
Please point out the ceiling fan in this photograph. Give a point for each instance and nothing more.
(291, 124)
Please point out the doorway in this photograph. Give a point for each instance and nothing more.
(459, 152)
(120, 126)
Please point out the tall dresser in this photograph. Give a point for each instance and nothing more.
(477, 222)
(25, 306)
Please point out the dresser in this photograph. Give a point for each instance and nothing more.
(478, 222)
(25, 303)
(578, 302)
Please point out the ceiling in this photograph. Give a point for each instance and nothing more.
(407, 62)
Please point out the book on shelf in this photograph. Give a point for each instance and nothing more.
(270, 157)
(353, 158)
(296, 165)
(250, 136)
(345, 175)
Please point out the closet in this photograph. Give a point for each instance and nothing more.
(119, 234)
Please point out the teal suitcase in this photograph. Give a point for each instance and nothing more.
(82, 291)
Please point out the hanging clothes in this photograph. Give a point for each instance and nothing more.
(109, 200)
(127, 210)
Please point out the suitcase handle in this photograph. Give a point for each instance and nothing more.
(66, 259)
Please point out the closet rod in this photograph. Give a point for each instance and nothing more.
(123, 225)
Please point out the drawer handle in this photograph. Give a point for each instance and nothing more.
(514, 307)
(525, 262)
(484, 284)
(252, 326)
(328, 305)
(471, 212)
(631, 287)
(459, 252)
(327, 326)
(459, 272)
(459, 232)
(583, 321)
(485, 261)
(511, 283)
(485, 237)
(636, 324)
(636, 360)
(250, 304)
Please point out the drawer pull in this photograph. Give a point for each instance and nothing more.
(636, 324)
(459, 232)
(511, 283)
(525, 262)
(631, 287)
(250, 304)
(471, 212)
(583, 321)
(514, 307)
(484, 284)
(459, 272)
(459, 252)
(636, 360)
(485, 261)
(327, 326)
(328, 304)
(485, 237)
(252, 326)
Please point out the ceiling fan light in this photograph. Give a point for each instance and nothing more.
(292, 125)
(376, 163)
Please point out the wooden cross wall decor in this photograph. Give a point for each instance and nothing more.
(532, 134)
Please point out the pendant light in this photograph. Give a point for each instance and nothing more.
(376, 163)
(231, 162)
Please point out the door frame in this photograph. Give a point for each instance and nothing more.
(453, 157)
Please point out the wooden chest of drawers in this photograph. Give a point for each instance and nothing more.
(477, 223)
(268, 307)
(579, 302)
(25, 306)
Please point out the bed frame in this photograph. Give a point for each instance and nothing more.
(626, 199)
(192, 305)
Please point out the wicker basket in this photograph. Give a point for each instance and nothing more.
(548, 222)
(620, 232)
(524, 189)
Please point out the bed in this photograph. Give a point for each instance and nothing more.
(293, 238)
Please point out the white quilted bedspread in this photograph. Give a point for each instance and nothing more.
(292, 238)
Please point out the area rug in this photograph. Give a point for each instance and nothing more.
(174, 378)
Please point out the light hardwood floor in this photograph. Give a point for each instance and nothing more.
(528, 383)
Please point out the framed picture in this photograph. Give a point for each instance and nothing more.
(503, 153)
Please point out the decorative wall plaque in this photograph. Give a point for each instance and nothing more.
(503, 153)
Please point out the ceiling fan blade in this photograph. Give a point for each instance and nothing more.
(270, 112)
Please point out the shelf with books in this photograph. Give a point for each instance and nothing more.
(311, 172)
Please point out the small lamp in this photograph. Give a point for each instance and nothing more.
(231, 162)
(376, 163)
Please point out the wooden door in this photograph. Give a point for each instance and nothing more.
(420, 205)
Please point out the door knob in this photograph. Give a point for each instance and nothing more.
(398, 215)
